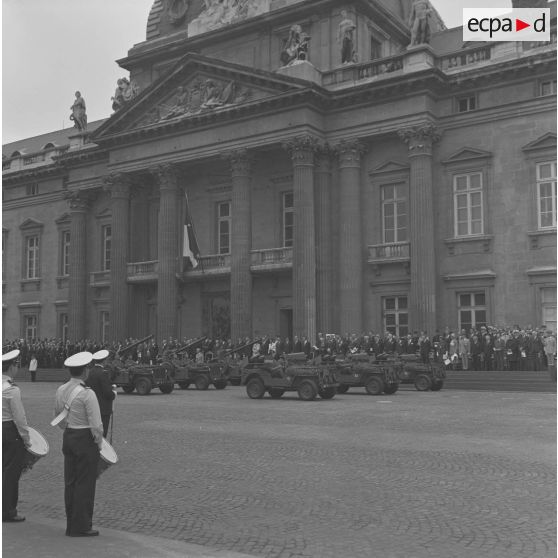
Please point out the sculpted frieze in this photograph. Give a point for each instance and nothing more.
(199, 96)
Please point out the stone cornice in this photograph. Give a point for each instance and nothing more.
(29, 201)
(21, 177)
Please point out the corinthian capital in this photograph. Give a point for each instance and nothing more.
(78, 201)
(166, 176)
(302, 149)
(118, 184)
(350, 152)
(420, 138)
(240, 161)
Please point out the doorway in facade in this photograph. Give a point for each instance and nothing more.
(286, 323)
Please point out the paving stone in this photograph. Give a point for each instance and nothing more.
(413, 475)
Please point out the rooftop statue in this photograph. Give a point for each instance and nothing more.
(78, 113)
(419, 22)
(346, 37)
(124, 93)
(295, 48)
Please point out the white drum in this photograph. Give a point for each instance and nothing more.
(107, 458)
(39, 448)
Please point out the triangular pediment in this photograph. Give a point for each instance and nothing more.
(548, 141)
(31, 224)
(467, 154)
(63, 219)
(390, 167)
(197, 87)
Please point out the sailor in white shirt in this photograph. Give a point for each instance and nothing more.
(78, 414)
(15, 440)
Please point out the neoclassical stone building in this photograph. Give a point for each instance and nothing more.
(405, 188)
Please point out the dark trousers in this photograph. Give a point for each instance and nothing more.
(13, 456)
(81, 457)
(106, 422)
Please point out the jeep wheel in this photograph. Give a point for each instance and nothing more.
(276, 393)
(423, 382)
(375, 386)
(220, 384)
(183, 385)
(343, 388)
(328, 393)
(437, 386)
(201, 382)
(128, 389)
(255, 388)
(391, 388)
(166, 388)
(307, 390)
(143, 386)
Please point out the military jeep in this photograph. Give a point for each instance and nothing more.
(142, 378)
(202, 375)
(291, 373)
(360, 370)
(424, 376)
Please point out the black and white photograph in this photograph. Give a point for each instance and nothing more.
(279, 279)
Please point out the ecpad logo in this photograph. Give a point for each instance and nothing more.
(522, 24)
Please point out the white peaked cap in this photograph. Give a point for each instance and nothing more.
(10, 356)
(79, 359)
(101, 355)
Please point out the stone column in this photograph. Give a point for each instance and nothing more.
(119, 187)
(324, 244)
(139, 224)
(241, 244)
(351, 242)
(153, 223)
(422, 304)
(167, 249)
(77, 295)
(302, 151)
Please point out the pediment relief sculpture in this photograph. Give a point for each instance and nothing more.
(125, 92)
(198, 96)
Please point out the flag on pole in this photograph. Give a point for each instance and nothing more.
(190, 247)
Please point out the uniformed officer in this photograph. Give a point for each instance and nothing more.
(98, 380)
(78, 414)
(15, 438)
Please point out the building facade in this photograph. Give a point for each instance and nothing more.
(337, 180)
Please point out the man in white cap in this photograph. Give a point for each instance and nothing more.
(15, 438)
(78, 414)
(98, 380)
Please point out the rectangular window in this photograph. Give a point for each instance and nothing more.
(32, 257)
(224, 228)
(547, 87)
(288, 219)
(63, 327)
(107, 241)
(468, 206)
(466, 104)
(471, 308)
(375, 48)
(396, 315)
(30, 327)
(65, 254)
(32, 189)
(105, 326)
(546, 194)
(394, 213)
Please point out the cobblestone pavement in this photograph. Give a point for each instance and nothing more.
(412, 475)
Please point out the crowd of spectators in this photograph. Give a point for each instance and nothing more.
(483, 348)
